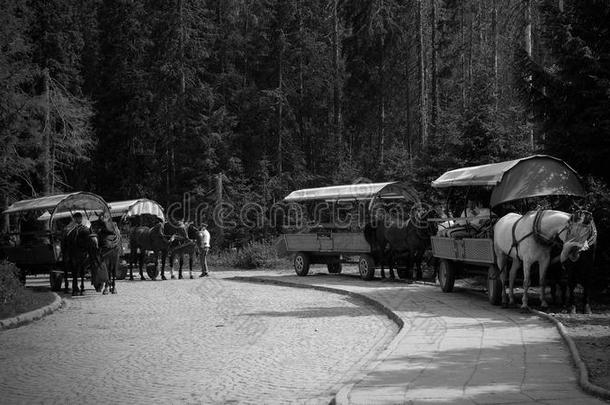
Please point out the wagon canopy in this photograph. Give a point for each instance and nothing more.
(533, 176)
(131, 208)
(55, 204)
(351, 192)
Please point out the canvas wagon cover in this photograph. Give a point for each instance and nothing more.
(533, 176)
(344, 192)
(140, 206)
(61, 202)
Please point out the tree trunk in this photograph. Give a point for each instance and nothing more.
(470, 54)
(46, 134)
(463, 55)
(407, 138)
(528, 50)
(423, 108)
(494, 28)
(434, 79)
(336, 80)
(301, 122)
(381, 102)
(280, 63)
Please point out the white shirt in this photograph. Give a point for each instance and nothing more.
(206, 238)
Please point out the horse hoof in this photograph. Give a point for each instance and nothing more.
(191, 277)
(173, 277)
(104, 292)
(163, 278)
(74, 293)
(113, 292)
(142, 278)
(81, 293)
(525, 310)
(130, 278)
(180, 277)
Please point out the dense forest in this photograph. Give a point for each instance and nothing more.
(254, 98)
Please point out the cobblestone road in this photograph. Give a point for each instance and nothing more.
(192, 341)
(456, 349)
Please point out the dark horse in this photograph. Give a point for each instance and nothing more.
(79, 249)
(576, 263)
(110, 250)
(406, 241)
(157, 239)
(193, 246)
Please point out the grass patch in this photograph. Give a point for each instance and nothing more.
(257, 255)
(16, 299)
(26, 301)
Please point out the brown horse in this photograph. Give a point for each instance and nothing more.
(79, 249)
(157, 239)
(110, 250)
(192, 246)
(401, 241)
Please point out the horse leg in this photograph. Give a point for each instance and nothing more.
(115, 265)
(141, 263)
(511, 283)
(585, 296)
(133, 257)
(527, 265)
(501, 263)
(82, 281)
(66, 283)
(391, 265)
(543, 265)
(172, 259)
(180, 262)
(572, 299)
(74, 281)
(418, 259)
(163, 267)
(191, 264)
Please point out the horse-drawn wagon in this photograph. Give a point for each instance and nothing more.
(132, 213)
(464, 244)
(32, 239)
(329, 222)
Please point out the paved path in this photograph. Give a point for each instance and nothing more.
(457, 348)
(208, 340)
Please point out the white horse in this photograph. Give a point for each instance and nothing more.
(529, 238)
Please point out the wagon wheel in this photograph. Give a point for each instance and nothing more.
(152, 272)
(446, 275)
(301, 264)
(494, 285)
(366, 266)
(334, 268)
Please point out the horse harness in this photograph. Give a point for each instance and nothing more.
(187, 243)
(537, 233)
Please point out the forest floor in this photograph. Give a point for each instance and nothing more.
(591, 333)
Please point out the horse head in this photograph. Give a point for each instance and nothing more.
(420, 216)
(195, 234)
(581, 235)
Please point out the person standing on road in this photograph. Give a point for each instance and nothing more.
(205, 250)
